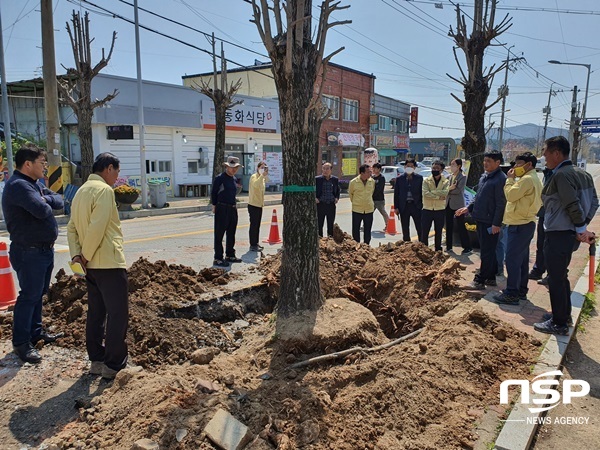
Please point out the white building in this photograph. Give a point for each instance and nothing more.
(179, 131)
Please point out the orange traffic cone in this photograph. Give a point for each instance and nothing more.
(8, 292)
(274, 232)
(391, 225)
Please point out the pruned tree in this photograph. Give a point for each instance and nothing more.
(222, 98)
(476, 79)
(297, 62)
(76, 88)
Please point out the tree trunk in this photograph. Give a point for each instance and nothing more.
(84, 125)
(474, 141)
(219, 157)
(300, 289)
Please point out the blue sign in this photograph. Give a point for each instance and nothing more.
(592, 122)
(591, 130)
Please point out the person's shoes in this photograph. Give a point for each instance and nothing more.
(256, 248)
(449, 250)
(503, 299)
(27, 353)
(550, 327)
(491, 282)
(220, 263)
(476, 285)
(232, 259)
(96, 368)
(467, 251)
(108, 373)
(535, 275)
(543, 281)
(522, 297)
(46, 337)
(549, 316)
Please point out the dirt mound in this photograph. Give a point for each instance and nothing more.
(155, 335)
(418, 394)
(397, 282)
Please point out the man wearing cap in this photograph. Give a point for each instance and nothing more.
(32, 229)
(224, 208)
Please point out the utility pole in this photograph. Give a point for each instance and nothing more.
(547, 111)
(5, 108)
(504, 93)
(51, 99)
(141, 126)
(573, 122)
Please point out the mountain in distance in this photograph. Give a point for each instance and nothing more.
(526, 131)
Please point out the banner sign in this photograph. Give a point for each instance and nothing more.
(250, 116)
(414, 119)
(345, 139)
(401, 141)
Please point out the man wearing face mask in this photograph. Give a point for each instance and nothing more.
(408, 198)
(435, 191)
(523, 191)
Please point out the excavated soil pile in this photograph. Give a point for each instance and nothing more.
(403, 284)
(424, 393)
(155, 337)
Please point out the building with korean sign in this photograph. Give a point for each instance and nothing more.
(390, 119)
(179, 131)
(347, 92)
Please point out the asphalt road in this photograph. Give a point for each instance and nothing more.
(188, 238)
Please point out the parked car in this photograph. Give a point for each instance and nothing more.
(391, 172)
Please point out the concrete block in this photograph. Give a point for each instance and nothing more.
(145, 444)
(227, 432)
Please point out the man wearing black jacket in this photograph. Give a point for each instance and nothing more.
(378, 194)
(328, 194)
(33, 229)
(488, 210)
(224, 208)
(408, 198)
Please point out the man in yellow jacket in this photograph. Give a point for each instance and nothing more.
(523, 191)
(435, 191)
(96, 242)
(361, 196)
(256, 201)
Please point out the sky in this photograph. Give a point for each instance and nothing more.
(403, 43)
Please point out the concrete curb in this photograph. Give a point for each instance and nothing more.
(124, 215)
(518, 432)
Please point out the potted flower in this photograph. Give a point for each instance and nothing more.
(125, 194)
(344, 184)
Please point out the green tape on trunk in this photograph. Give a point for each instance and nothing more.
(295, 188)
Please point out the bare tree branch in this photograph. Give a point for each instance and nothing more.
(459, 66)
(463, 83)
(106, 99)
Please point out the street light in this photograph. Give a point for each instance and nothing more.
(587, 84)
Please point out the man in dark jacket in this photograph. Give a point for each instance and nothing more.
(33, 229)
(224, 208)
(570, 203)
(408, 198)
(488, 210)
(328, 194)
(379, 195)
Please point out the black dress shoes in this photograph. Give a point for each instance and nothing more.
(27, 353)
(46, 337)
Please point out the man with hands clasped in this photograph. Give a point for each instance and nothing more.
(96, 242)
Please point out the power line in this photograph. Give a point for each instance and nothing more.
(208, 35)
(115, 15)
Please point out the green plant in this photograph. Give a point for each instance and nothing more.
(589, 305)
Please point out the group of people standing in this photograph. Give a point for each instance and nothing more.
(433, 200)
